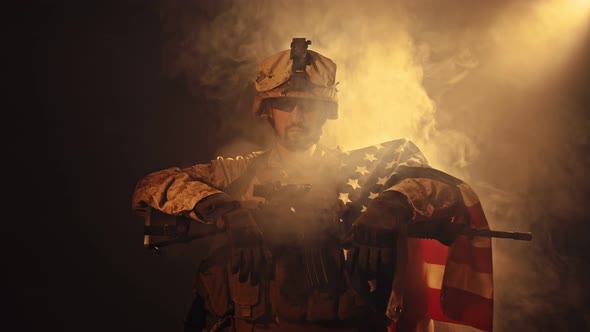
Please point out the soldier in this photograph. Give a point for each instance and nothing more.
(314, 238)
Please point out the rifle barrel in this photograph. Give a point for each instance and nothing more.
(524, 236)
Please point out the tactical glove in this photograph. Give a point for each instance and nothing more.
(374, 235)
(245, 238)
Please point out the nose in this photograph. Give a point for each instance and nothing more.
(296, 115)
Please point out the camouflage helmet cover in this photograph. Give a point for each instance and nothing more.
(274, 78)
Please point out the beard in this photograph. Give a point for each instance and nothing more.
(298, 138)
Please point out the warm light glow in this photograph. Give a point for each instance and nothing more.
(382, 92)
(534, 39)
(382, 97)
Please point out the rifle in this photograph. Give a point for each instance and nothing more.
(524, 236)
(428, 230)
(162, 230)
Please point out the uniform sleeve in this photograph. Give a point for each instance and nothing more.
(175, 191)
(432, 193)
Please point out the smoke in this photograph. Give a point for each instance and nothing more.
(486, 90)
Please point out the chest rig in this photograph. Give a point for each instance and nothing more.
(299, 215)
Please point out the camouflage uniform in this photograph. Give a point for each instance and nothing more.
(342, 185)
(306, 286)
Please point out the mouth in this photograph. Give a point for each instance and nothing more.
(296, 129)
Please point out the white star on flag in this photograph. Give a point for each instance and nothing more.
(344, 198)
(362, 169)
(370, 157)
(382, 180)
(354, 183)
(373, 195)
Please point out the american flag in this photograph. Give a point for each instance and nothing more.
(448, 284)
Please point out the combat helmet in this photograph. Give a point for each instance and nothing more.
(296, 73)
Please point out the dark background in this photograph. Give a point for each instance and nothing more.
(108, 117)
(104, 115)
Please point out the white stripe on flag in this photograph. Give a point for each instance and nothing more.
(434, 275)
(462, 276)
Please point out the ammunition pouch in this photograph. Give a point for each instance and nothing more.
(321, 295)
(251, 303)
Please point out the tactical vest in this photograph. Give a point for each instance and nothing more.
(306, 286)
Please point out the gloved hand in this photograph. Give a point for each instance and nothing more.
(374, 235)
(247, 252)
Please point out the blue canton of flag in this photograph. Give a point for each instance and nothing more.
(366, 171)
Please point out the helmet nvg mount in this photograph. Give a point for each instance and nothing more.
(297, 73)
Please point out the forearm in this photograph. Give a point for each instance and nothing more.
(172, 191)
(431, 193)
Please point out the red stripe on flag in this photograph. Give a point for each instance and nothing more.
(468, 308)
(434, 309)
(434, 252)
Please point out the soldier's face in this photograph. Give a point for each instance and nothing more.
(297, 122)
